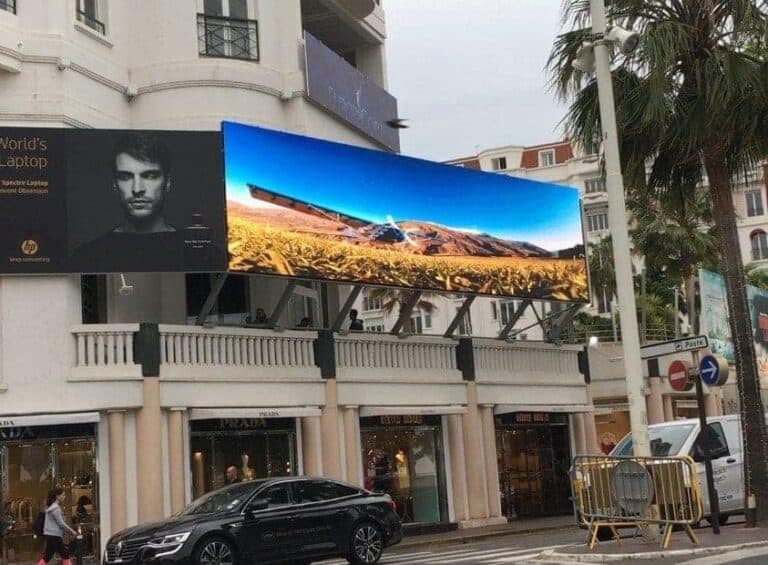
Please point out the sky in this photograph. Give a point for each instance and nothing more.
(373, 185)
(469, 74)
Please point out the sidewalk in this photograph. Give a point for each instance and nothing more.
(731, 538)
(469, 535)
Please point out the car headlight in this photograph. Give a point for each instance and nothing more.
(170, 544)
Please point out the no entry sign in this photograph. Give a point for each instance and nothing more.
(679, 374)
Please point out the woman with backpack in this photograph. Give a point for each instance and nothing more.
(54, 528)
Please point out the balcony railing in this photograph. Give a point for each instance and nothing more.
(228, 37)
(90, 21)
(105, 351)
(8, 5)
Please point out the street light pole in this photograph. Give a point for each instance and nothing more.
(617, 224)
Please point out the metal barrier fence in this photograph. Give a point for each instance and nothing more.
(611, 492)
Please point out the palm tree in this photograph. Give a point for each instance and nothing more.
(757, 276)
(602, 274)
(694, 92)
(671, 228)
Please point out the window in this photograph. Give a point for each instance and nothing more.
(420, 321)
(372, 303)
(597, 222)
(320, 491)
(754, 203)
(93, 291)
(8, 6)
(759, 245)
(225, 30)
(89, 13)
(546, 158)
(594, 185)
(231, 306)
(499, 163)
(507, 310)
(374, 326)
(279, 495)
(494, 311)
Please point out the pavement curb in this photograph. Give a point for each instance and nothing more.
(470, 538)
(664, 554)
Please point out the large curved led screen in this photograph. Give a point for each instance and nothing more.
(306, 208)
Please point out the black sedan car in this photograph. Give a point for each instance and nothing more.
(288, 520)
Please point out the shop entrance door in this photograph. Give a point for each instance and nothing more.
(534, 459)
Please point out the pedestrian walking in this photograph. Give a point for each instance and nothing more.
(54, 528)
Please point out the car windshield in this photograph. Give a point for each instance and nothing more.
(665, 441)
(227, 498)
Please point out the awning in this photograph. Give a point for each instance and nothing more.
(568, 409)
(268, 412)
(411, 410)
(49, 419)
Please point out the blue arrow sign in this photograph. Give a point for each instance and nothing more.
(709, 369)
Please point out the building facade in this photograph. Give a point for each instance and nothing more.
(136, 392)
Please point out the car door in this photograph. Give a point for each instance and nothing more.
(320, 515)
(268, 525)
(723, 474)
(731, 494)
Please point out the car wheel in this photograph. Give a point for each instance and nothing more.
(215, 551)
(366, 545)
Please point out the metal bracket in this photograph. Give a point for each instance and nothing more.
(213, 295)
(541, 321)
(459, 315)
(505, 331)
(561, 319)
(346, 307)
(405, 312)
(282, 304)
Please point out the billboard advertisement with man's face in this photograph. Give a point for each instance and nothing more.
(302, 207)
(101, 201)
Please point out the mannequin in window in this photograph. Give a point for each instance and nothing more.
(247, 472)
(401, 468)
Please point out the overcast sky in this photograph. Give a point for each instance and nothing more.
(469, 74)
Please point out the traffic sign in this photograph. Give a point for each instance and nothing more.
(679, 374)
(674, 346)
(713, 370)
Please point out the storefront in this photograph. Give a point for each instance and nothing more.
(257, 448)
(35, 457)
(611, 424)
(403, 456)
(534, 455)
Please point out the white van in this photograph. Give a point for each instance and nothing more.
(680, 438)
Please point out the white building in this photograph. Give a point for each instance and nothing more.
(135, 420)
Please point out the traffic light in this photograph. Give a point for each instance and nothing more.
(583, 359)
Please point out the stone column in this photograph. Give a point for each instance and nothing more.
(474, 458)
(458, 469)
(591, 444)
(577, 420)
(491, 462)
(669, 414)
(654, 401)
(149, 453)
(351, 440)
(330, 429)
(198, 475)
(310, 437)
(176, 458)
(712, 404)
(117, 481)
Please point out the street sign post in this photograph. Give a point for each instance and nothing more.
(674, 346)
(679, 375)
(713, 370)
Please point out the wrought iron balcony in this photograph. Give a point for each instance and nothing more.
(8, 6)
(90, 21)
(228, 37)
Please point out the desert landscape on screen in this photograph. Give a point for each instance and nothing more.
(306, 242)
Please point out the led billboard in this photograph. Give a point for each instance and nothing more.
(306, 208)
(108, 201)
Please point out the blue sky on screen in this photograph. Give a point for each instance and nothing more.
(373, 185)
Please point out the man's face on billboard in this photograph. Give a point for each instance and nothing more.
(141, 186)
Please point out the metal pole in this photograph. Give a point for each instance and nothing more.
(617, 224)
(714, 501)
(644, 310)
(677, 314)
